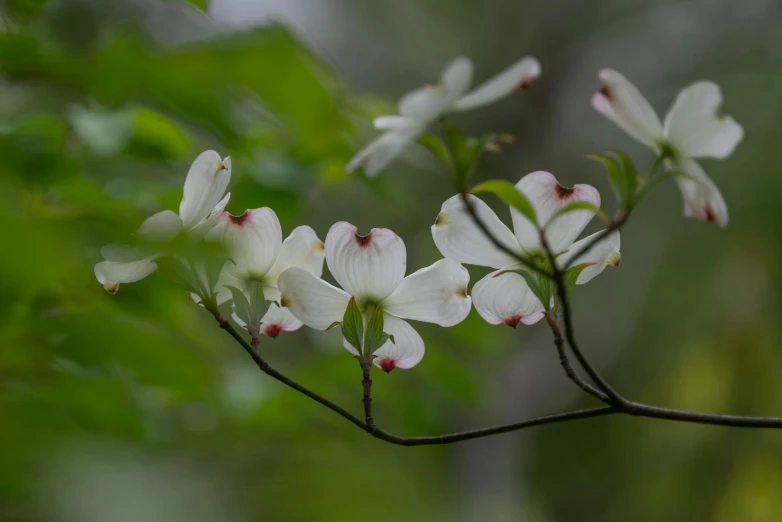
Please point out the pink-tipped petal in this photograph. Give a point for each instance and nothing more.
(505, 298)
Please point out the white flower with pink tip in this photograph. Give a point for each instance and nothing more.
(503, 296)
(258, 254)
(693, 129)
(420, 107)
(371, 269)
(201, 206)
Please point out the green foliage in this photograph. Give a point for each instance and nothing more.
(353, 326)
(572, 273)
(374, 337)
(510, 196)
(622, 175)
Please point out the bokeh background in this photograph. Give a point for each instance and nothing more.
(136, 407)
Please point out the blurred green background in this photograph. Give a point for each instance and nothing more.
(136, 407)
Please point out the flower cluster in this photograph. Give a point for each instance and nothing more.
(277, 285)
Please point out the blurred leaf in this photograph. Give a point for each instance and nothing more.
(436, 146)
(242, 307)
(571, 275)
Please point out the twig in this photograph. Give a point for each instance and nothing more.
(565, 362)
(366, 368)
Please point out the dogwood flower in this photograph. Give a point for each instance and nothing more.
(201, 206)
(693, 128)
(371, 269)
(503, 296)
(420, 107)
(257, 253)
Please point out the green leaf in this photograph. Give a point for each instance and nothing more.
(628, 167)
(436, 146)
(353, 325)
(616, 176)
(241, 305)
(258, 303)
(200, 4)
(374, 337)
(571, 276)
(541, 286)
(576, 206)
(180, 274)
(510, 196)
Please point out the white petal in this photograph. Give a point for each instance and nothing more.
(252, 240)
(621, 102)
(406, 351)
(702, 198)
(603, 254)
(457, 77)
(208, 223)
(368, 267)
(694, 126)
(160, 227)
(548, 196)
(518, 76)
(504, 297)
(279, 320)
(377, 155)
(435, 294)
(459, 238)
(111, 273)
(204, 187)
(301, 248)
(122, 253)
(312, 300)
(424, 104)
(394, 123)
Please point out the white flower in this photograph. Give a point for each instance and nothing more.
(693, 129)
(418, 108)
(503, 296)
(202, 203)
(371, 269)
(257, 253)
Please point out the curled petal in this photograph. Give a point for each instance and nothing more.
(406, 350)
(505, 297)
(435, 294)
(694, 126)
(253, 241)
(208, 223)
(603, 254)
(160, 227)
(301, 248)
(459, 238)
(367, 267)
(621, 102)
(377, 155)
(111, 273)
(204, 187)
(312, 300)
(548, 196)
(518, 76)
(702, 198)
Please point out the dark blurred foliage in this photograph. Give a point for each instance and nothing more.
(137, 407)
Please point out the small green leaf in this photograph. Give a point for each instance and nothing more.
(180, 274)
(353, 325)
(440, 150)
(541, 286)
(631, 173)
(510, 196)
(241, 305)
(374, 337)
(616, 176)
(333, 325)
(571, 276)
(576, 206)
(258, 303)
